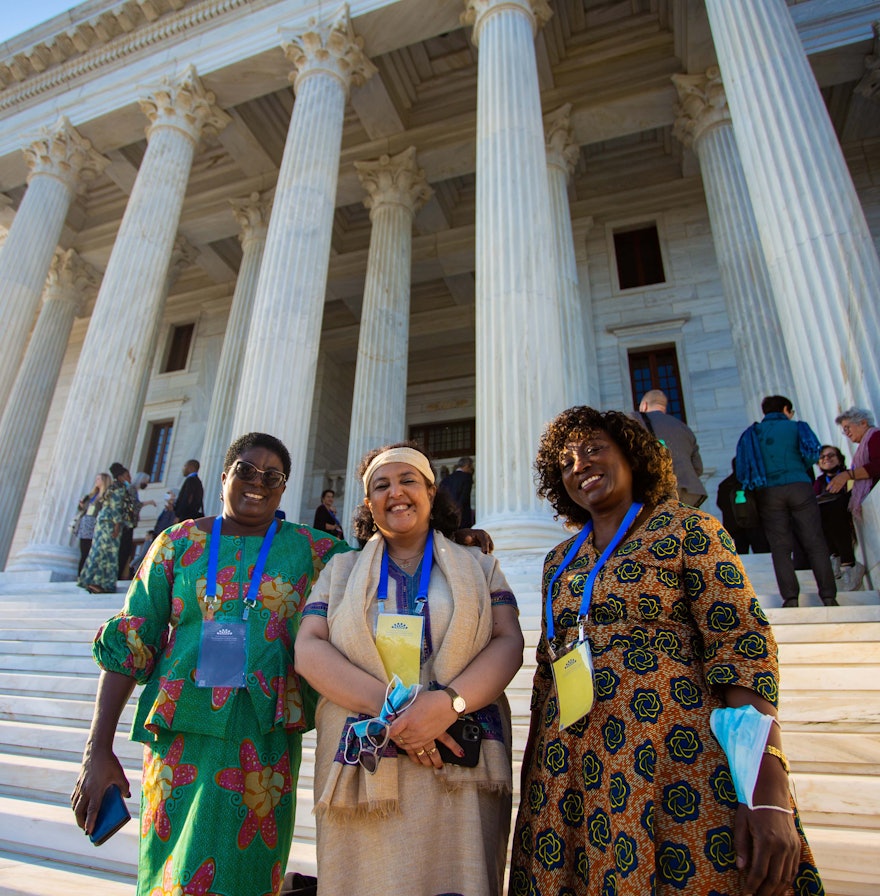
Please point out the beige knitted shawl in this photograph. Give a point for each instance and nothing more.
(349, 584)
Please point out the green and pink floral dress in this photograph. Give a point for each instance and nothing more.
(220, 764)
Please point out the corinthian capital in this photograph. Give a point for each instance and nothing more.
(332, 49)
(62, 153)
(702, 105)
(252, 215)
(562, 151)
(869, 86)
(71, 279)
(394, 180)
(476, 13)
(185, 105)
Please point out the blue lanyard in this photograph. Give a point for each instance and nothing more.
(213, 557)
(424, 578)
(619, 535)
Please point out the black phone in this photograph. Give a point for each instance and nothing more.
(467, 732)
(112, 815)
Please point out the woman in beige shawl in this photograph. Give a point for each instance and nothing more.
(416, 823)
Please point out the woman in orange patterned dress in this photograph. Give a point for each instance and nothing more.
(636, 796)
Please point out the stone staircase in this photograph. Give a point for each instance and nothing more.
(830, 713)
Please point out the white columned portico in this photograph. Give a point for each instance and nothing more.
(520, 377)
(820, 255)
(580, 230)
(106, 395)
(396, 189)
(72, 284)
(562, 156)
(252, 215)
(704, 124)
(276, 390)
(61, 162)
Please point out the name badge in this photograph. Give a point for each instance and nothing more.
(399, 642)
(573, 676)
(222, 655)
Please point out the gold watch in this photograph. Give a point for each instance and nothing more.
(458, 702)
(775, 751)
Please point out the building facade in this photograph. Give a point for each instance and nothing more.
(447, 219)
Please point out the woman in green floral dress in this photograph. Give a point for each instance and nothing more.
(221, 758)
(102, 565)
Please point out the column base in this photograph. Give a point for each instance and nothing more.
(521, 532)
(61, 562)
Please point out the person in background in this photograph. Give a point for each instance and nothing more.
(837, 524)
(681, 442)
(101, 568)
(163, 522)
(458, 486)
(88, 510)
(745, 537)
(325, 515)
(189, 501)
(774, 458)
(126, 546)
(632, 794)
(858, 426)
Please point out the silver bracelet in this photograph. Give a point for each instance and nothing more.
(775, 809)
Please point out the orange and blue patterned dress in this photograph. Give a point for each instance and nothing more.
(220, 764)
(637, 799)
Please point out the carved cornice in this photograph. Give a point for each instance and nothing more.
(110, 37)
(332, 49)
(478, 11)
(702, 105)
(394, 180)
(61, 152)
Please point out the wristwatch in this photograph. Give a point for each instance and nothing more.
(458, 702)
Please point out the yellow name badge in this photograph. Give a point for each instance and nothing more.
(399, 642)
(573, 675)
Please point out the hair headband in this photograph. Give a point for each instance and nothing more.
(399, 456)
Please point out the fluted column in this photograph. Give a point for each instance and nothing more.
(277, 387)
(252, 215)
(106, 395)
(704, 124)
(820, 256)
(520, 375)
(396, 189)
(580, 230)
(61, 162)
(562, 156)
(72, 284)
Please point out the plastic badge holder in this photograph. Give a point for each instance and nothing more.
(112, 815)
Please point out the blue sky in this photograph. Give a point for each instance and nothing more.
(20, 15)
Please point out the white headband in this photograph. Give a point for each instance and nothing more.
(399, 456)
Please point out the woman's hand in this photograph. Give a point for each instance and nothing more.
(423, 725)
(838, 483)
(767, 850)
(474, 538)
(100, 769)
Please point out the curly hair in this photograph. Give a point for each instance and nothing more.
(257, 440)
(651, 463)
(445, 515)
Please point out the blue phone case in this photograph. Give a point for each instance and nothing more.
(112, 815)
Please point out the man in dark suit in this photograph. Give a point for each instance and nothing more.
(458, 486)
(188, 505)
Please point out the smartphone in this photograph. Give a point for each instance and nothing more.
(466, 732)
(112, 815)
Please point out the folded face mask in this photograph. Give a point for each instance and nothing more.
(742, 732)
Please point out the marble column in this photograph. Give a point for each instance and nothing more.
(704, 124)
(580, 231)
(72, 284)
(562, 156)
(276, 390)
(396, 189)
(106, 395)
(61, 163)
(520, 377)
(820, 255)
(252, 215)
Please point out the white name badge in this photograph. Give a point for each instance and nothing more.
(399, 642)
(573, 676)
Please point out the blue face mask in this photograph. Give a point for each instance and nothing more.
(742, 732)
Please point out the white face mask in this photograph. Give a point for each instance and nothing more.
(742, 732)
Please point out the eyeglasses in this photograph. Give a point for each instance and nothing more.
(366, 740)
(246, 472)
(827, 457)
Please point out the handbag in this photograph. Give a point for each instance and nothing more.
(745, 509)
